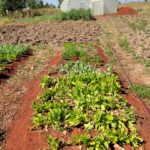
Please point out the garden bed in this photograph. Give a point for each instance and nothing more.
(11, 59)
(36, 139)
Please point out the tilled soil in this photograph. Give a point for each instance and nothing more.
(13, 89)
(55, 33)
(139, 39)
(20, 134)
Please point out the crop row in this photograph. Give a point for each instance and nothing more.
(9, 53)
(88, 99)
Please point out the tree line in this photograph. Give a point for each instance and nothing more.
(9, 5)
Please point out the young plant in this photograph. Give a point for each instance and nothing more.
(9, 53)
(91, 100)
(54, 144)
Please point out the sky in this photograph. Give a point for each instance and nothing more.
(55, 2)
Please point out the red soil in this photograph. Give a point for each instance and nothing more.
(102, 55)
(143, 122)
(126, 11)
(20, 135)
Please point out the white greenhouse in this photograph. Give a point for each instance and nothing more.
(98, 7)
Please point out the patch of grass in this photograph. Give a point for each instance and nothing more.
(138, 25)
(5, 20)
(72, 50)
(77, 14)
(32, 13)
(9, 53)
(76, 51)
(43, 18)
(30, 19)
(142, 90)
(124, 43)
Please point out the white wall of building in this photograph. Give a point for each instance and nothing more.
(110, 6)
(76, 4)
(98, 7)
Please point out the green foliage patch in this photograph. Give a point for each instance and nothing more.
(77, 14)
(142, 90)
(88, 99)
(138, 25)
(9, 53)
(77, 51)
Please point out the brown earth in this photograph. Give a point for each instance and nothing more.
(54, 34)
(20, 135)
(136, 71)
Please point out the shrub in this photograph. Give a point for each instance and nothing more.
(77, 14)
(77, 51)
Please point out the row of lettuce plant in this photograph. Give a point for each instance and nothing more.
(9, 53)
(88, 99)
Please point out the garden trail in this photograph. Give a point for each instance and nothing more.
(136, 71)
(20, 135)
(12, 90)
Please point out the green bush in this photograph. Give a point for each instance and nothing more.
(77, 14)
(73, 50)
(77, 51)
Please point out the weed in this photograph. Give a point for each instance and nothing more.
(142, 90)
(138, 25)
(124, 43)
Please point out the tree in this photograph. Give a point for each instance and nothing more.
(11, 5)
(31, 3)
(60, 1)
(35, 4)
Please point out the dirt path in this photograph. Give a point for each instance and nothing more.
(20, 136)
(136, 72)
(13, 89)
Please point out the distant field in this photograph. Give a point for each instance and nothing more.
(31, 16)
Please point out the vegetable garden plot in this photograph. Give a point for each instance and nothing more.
(85, 98)
(10, 57)
(8, 53)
